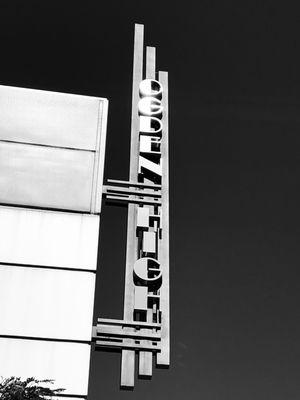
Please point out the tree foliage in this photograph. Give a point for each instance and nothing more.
(14, 388)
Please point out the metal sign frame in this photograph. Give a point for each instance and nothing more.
(145, 328)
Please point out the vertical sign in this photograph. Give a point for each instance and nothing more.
(52, 149)
(144, 330)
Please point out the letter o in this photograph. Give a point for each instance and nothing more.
(150, 106)
(150, 88)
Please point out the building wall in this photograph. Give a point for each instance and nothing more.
(51, 167)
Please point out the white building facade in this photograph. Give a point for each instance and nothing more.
(52, 148)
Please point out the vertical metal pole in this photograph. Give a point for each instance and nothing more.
(128, 356)
(150, 62)
(163, 358)
(146, 357)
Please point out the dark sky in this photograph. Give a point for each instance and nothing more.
(234, 76)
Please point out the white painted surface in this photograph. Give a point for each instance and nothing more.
(143, 217)
(67, 363)
(64, 398)
(43, 176)
(141, 298)
(51, 155)
(145, 144)
(149, 242)
(50, 118)
(45, 303)
(48, 238)
(52, 148)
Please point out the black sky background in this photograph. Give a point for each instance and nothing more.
(234, 76)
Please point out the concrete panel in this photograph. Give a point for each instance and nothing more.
(49, 303)
(46, 177)
(64, 397)
(50, 118)
(48, 238)
(66, 363)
